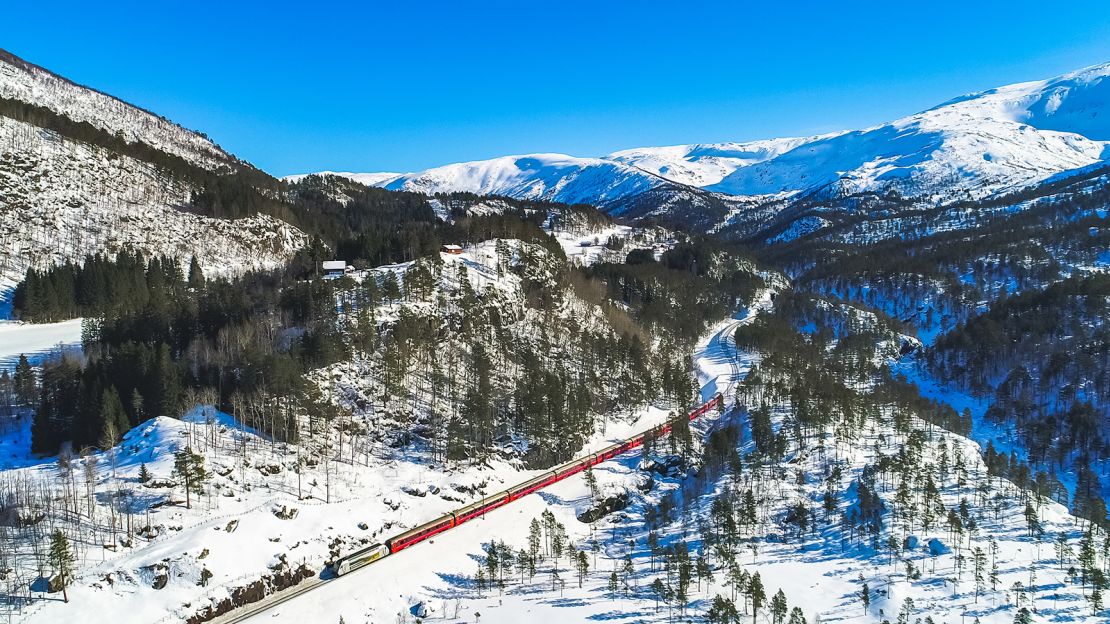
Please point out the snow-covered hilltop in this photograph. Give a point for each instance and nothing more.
(82, 172)
(552, 177)
(970, 147)
(25, 82)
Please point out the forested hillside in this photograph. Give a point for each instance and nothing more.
(1010, 307)
(1043, 359)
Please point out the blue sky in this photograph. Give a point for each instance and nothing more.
(368, 87)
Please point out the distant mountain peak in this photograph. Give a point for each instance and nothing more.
(974, 145)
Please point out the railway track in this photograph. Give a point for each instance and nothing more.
(365, 557)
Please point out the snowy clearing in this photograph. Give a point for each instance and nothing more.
(36, 341)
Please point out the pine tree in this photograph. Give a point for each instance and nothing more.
(189, 468)
(26, 384)
(994, 563)
(144, 473)
(756, 594)
(137, 406)
(196, 275)
(581, 564)
(722, 611)
(62, 559)
(660, 591)
(113, 419)
(629, 570)
(1063, 549)
(1087, 555)
(905, 615)
(168, 383)
(535, 538)
(524, 564)
(591, 484)
(797, 616)
(778, 607)
(865, 597)
(704, 572)
(979, 560)
(391, 288)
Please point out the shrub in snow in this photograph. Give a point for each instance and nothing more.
(937, 548)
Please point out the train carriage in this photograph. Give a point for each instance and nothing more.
(469, 512)
(478, 508)
(533, 484)
(420, 533)
(610, 452)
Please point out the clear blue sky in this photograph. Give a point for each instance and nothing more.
(318, 85)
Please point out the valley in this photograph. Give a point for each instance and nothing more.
(216, 383)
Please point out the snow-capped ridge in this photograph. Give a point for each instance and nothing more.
(969, 147)
(552, 177)
(24, 81)
(369, 179)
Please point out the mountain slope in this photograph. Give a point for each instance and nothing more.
(82, 173)
(26, 82)
(552, 177)
(975, 145)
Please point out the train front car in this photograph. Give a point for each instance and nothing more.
(359, 558)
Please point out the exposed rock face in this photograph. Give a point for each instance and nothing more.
(254, 592)
(605, 507)
(671, 466)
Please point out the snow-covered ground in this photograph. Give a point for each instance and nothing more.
(252, 521)
(821, 572)
(716, 362)
(239, 530)
(434, 573)
(387, 493)
(590, 246)
(36, 341)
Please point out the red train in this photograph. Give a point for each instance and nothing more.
(443, 523)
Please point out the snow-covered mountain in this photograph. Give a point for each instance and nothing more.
(705, 165)
(369, 179)
(970, 147)
(553, 177)
(25, 82)
(975, 145)
(82, 172)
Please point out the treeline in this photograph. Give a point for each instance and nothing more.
(695, 283)
(86, 132)
(165, 339)
(368, 226)
(102, 285)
